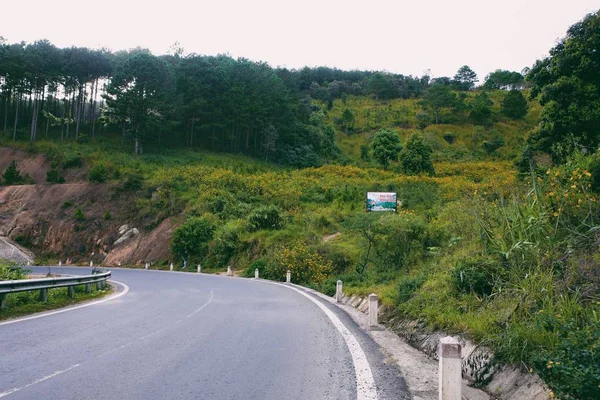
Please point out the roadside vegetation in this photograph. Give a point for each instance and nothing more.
(26, 303)
(497, 236)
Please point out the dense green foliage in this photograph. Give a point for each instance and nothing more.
(12, 176)
(385, 145)
(415, 157)
(514, 104)
(568, 86)
(191, 239)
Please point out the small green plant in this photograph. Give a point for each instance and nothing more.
(99, 173)
(67, 204)
(107, 215)
(12, 176)
(475, 275)
(79, 215)
(54, 176)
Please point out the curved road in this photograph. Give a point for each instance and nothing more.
(194, 336)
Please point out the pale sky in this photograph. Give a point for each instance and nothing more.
(408, 37)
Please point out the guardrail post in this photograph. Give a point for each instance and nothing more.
(255, 273)
(171, 267)
(199, 269)
(71, 291)
(373, 309)
(99, 285)
(338, 291)
(146, 266)
(91, 263)
(60, 263)
(288, 276)
(2, 301)
(450, 369)
(44, 295)
(229, 270)
(88, 288)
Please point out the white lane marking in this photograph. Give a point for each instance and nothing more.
(365, 383)
(11, 391)
(212, 296)
(93, 303)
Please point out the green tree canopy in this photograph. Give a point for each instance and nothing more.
(415, 157)
(465, 78)
(567, 84)
(514, 104)
(438, 99)
(385, 145)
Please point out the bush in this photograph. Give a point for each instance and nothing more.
(107, 215)
(571, 369)
(53, 176)
(11, 272)
(12, 176)
(305, 264)
(261, 264)
(67, 204)
(265, 217)
(475, 275)
(191, 239)
(99, 173)
(408, 286)
(133, 181)
(79, 215)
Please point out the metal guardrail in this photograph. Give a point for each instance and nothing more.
(25, 285)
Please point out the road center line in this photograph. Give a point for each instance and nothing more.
(212, 296)
(11, 391)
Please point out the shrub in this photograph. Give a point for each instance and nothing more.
(107, 215)
(261, 264)
(191, 239)
(305, 264)
(475, 275)
(571, 369)
(53, 176)
(72, 161)
(133, 181)
(67, 204)
(11, 272)
(12, 176)
(79, 215)
(265, 217)
(408, 286)
(99, 173)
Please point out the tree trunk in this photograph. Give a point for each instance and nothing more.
(6, 112)
(17, 97)
(34, 117)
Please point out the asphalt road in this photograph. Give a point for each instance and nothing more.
(192, 336)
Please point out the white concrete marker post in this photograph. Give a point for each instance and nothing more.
(229, 270)
(373, 309)
(171, 267)
(91, 263)
(146, 266)
(288, 276)
(60, 263)
(338, 291)
(199, 268)
(450, 369)
(256, 273)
